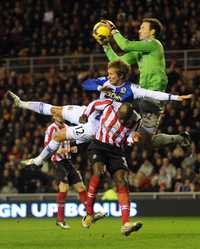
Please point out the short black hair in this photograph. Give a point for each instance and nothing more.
(127, 115)
(123, 69)
(154, 24)
(126, 109)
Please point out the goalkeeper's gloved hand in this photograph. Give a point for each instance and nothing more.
(111, 26)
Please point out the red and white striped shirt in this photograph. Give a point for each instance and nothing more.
(51, 129)
(110, 130)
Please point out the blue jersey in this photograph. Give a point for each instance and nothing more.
(120, 93)
(127, 92)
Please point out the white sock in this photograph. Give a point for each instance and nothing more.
(38, 107)
(47, 151)
(37, 160)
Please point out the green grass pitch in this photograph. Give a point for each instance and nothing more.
(157, 233)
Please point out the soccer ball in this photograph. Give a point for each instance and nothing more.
(101, 32)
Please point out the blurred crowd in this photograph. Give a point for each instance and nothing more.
(59, 27)
(22, 134)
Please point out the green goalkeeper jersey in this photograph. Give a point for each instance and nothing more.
(148, 54)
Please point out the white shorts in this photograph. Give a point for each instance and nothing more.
(83, 133)
(72, 113)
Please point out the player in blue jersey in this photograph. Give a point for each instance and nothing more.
(123, 90)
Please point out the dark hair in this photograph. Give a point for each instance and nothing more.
(123, 69)
(127, 115)
(126, 109)
(154, 24)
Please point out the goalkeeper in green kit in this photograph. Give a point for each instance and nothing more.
(148, 53)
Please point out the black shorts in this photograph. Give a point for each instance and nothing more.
(65, 172)
(112, 156)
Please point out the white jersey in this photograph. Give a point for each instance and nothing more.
(72, 113)
(81, 133)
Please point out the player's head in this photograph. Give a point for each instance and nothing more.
(150, 27)
(127, 115)
(58, 119)
(118, 72)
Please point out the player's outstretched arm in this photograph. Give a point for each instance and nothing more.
(94, 84)
(127, 45)
(141, 93)
(110, 53)
(140, 46)
(130, 58)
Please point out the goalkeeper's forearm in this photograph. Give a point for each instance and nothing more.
(111, 55)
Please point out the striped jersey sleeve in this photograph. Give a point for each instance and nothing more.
(97, 105)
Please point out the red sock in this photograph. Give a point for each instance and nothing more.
(123, 198)
(91, 195)
(83, 197)
(61, 205)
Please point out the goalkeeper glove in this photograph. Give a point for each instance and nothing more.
(111, 25)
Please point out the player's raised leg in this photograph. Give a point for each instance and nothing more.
(70, 113)
(159, 140)
(48, 150)
(36, 106)
(80, 133)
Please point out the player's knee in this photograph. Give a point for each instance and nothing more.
(63, 187)
(120, 182)
(58, 136)
(98, 169)
(120, 179)
(56, 110)
(79, 187)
